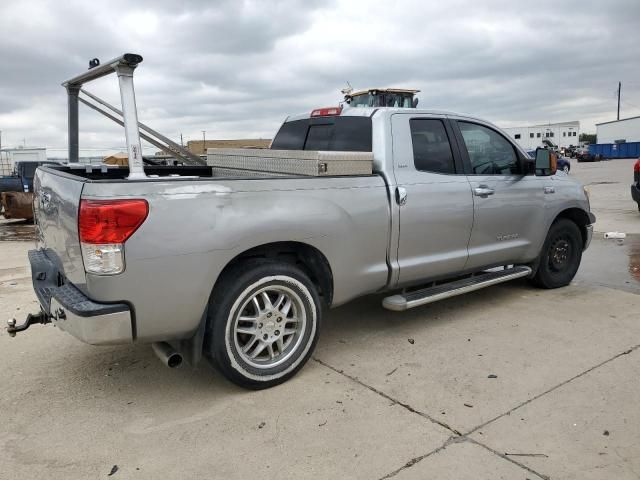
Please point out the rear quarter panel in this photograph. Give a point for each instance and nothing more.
(195, 228)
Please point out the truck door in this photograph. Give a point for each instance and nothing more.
(508, 205)
(436, 205)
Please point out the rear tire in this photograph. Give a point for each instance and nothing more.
(561, 255)
(263, 324)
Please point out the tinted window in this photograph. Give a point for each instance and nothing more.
(431, 148)
(318, 137)
(349, 134)
(291, 136)
(531, 135)
(489, 152)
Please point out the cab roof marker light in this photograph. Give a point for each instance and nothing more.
(326, 112)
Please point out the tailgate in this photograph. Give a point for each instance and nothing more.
(56, 203)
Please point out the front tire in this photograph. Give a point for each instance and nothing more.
(561, 255)
(263, 323)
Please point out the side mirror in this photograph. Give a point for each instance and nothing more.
(546, 162)
(415, 102)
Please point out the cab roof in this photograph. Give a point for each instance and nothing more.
(370, 111)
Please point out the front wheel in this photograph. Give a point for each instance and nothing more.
(561, 255)
(263, 323)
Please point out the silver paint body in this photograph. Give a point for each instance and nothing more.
(196, 227)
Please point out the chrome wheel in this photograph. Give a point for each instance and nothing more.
(269, 326)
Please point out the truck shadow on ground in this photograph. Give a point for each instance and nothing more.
(135, 371)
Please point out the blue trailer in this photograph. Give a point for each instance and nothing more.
(615, 150)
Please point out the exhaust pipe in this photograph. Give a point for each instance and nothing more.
(167, 354)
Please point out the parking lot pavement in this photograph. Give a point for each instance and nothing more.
(508, 382)
(586, 429)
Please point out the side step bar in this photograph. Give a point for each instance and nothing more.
(405, 301)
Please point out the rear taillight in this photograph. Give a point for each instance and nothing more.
(326, 112)
(104, 226)
(636, 167)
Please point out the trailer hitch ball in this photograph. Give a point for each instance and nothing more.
(40, 317)
(11, 324)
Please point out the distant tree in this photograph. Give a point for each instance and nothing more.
(587, 137)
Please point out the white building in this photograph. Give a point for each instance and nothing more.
(562, 134)
(9, 157)
(619, 131)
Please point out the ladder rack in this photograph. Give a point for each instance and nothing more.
(124, 67)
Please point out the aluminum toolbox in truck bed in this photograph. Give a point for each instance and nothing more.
(292, 162)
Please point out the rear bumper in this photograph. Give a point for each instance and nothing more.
(635, 193)
(72, 311)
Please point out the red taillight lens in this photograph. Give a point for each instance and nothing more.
(326, 112)
(636, 167)
(110, 221)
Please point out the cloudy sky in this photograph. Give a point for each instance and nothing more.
(236, 69)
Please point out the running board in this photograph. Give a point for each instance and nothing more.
(405, 301)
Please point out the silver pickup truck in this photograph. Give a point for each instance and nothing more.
(241, 268)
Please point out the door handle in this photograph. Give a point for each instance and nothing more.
(483, 191)
(401, 196)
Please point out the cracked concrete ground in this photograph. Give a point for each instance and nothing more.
(509, 382)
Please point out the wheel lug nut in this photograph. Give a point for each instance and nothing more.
(265, 336)
(279, 319)
(277, 332)
(259, 325)
(269, 315)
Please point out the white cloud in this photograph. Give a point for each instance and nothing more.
(236, 69)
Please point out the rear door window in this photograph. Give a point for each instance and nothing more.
(431, 147)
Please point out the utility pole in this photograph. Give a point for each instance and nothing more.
(181, 142)
(204, 142)
(619, 89)
(0, 140)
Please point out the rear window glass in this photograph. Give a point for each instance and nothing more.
(346, 134)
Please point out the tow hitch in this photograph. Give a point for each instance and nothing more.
(32, 318)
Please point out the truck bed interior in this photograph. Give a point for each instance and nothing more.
(117, 172)
(108, 173)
